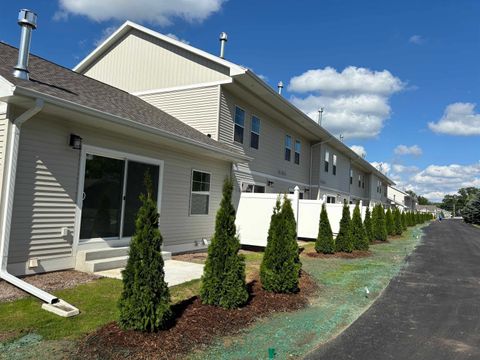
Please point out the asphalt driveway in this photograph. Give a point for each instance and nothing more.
(430, 311)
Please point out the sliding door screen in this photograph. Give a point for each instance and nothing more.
(111, 195)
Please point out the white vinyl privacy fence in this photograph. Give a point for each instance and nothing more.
(254, 212)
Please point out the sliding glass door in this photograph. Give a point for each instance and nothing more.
(111, 195)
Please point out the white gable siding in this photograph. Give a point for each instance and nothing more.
(195, 107)
(141, 62)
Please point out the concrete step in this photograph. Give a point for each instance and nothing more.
(106, 259)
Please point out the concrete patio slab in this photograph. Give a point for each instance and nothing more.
(176, 272)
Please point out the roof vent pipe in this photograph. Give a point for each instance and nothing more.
(280, 87)
(223, 40)
(320, 115)
(28, 21)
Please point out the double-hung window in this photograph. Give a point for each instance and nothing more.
(255, 132)
(351, 176)
(334, 167)
(239, 125)
(359, 180)
(200, 196)
(288, 147)
(327, 159)
(363, 181)
(298, 149)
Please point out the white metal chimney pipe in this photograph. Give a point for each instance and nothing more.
(280, 87)
(223, 40)
(28, 21)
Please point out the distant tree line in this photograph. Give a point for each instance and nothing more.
(456, 203)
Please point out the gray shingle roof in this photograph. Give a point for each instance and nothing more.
(54, 80)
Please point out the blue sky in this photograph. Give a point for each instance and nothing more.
(382, 70)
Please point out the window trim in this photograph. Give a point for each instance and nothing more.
(253, 132)
(289, 148)
(326, 161)
(254, 184)
(115, 154)
(351, 176)
(359, 180)
(235, 124)
(199, 192)
(299, 142)
(334, 164)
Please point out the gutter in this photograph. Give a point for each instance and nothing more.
(70, 105)
(53, 304)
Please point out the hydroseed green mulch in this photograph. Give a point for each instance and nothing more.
(341, 300)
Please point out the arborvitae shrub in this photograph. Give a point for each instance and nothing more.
(357, 231)
(325, 242)
(397, 219)
(404, 220)
(367, 223)
(343, 242)
(223, 280)
(389, 222)
(471, 211)
(380, 230)
(280, 268)
(145, 300)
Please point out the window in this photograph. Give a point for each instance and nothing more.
(298, 149)
(359, 180)
(255, 132)
(252, 188)
(327, 159)
(330, 199)
(288, 147)
(334, 167)
(351, 176)
(239, 125)
(200, 193)
(363, 181)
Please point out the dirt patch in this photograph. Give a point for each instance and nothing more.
(7, 336)
(343, 255)
(196, 326)
(49, 282)
(199, 257)
(376, 242)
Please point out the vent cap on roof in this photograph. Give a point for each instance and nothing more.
(27, 20)
(223, 39)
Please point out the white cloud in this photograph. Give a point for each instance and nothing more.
(175, 37)
(359, 150)
(416, 39)
(408, 150)
(355, 101)
(434, 181)
(152, 11)
(105, 34)
(458, 119)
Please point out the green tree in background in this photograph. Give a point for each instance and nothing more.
(367, 223)
(389, 222)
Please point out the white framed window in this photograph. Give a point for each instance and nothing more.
(327, 160)
(255, 133)
(351, 176)
(359, 180)
(288, 147)
(253, 188)
(334, 165)
(200, 193)
(331, 199)
(298, 150)
(363, 181)
(239, 125)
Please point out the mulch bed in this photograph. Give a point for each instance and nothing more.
(375, 242)
(51, 281)
(344, 255)
(197, 325)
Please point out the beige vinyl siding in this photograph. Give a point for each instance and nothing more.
(3, 139)
(139, 62)
(341, 181)
(195, 107)
(355, 190)
(269, 157)
(47, 182)
(45, 193)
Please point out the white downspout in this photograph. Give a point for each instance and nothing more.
(7, 204)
